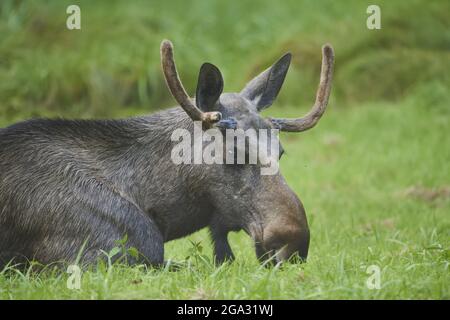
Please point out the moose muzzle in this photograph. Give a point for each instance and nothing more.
(283, 234)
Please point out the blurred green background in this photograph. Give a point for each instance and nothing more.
(374, 176)
(111, 66)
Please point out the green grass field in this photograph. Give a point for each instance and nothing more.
(375, 184)
(374, 175)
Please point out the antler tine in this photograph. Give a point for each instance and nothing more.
(322, 95)
(176, 87)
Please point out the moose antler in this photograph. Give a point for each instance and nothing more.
(322, 95)
(177, 89)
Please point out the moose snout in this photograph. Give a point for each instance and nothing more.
(283, 234)
(288, 244)
(283, 241)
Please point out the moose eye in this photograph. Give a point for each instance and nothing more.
(281, 153)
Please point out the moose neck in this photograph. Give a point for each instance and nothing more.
(145, 173)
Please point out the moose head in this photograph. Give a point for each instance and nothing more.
(262, 205)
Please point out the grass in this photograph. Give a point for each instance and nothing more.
(373, 176)
(374, 181)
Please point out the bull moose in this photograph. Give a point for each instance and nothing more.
(68, 184)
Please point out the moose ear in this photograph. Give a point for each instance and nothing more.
(209, 87)
(263, 89)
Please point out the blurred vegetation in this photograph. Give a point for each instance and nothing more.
(111, 66)
(374, 179)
